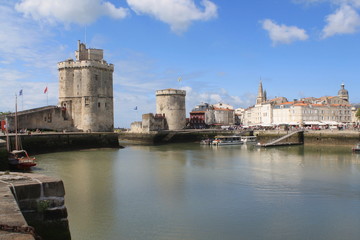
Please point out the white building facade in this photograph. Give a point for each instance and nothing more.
(334, 110)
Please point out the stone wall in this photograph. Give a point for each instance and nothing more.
(52, 142)
(314, 137)
(41, 200)
(46, 118)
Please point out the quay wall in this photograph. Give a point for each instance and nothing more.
(315, 137)
(52, 142)
(33, 200)
(310, 137)
(162, 137)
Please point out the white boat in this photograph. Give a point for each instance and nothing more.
(248, 139)
(227, 140)
(356, 148)
(206, 141)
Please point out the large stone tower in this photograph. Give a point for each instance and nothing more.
(86, 90)
(171, 103)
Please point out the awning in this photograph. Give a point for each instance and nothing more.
(311, 122)
(331, 123)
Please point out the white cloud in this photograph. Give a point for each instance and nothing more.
(179, 14)
(355, 3)
(344, 21)
(69, 11)
(282, 34)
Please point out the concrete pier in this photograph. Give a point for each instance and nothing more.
(10, 215)
(32, 200)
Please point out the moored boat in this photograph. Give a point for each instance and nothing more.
(249, 139)
(227, 140)
(20, 159)
(356, 148)
(206, 141)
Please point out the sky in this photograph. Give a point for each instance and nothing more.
(220, 49)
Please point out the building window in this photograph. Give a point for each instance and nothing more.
(98, 104)
(96, 77)
(87, 101)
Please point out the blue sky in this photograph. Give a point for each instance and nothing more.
(220, 49)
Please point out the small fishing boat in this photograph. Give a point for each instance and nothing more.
(20, 159)
(356, 148)
(227, 140)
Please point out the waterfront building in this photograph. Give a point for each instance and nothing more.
(239, 113)
(197, 116)
(333, 110)
(262, 112)
(205, 115)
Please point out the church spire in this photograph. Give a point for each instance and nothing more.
(260, 98)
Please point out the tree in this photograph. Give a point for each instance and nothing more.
(357, 114)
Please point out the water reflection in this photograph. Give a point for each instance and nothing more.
(187, 191)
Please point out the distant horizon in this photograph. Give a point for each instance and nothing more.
(219, 49)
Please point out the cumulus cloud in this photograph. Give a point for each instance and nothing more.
(179, 14)
(344, 21)
(69, 11)
(282, 34)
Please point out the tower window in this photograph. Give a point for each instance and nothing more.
(98, 104)
(96, 77)
(87, 101)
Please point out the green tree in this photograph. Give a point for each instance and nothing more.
(357, 114)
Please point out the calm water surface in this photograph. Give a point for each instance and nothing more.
(187, 191)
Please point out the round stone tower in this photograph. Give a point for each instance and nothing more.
(343, 93)
(171, 103)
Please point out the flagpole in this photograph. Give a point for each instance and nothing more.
(16, 125)
(47, 98)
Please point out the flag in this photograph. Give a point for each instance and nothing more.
(135, 108)
(179, 79)
(45, 90)
(20, 93)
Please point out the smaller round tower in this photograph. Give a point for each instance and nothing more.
(343, 93)
(171, 103)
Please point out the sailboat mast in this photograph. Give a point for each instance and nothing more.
(16, 125)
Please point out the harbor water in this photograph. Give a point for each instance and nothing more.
(188, 191)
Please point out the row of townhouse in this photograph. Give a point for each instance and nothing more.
(333, 110)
